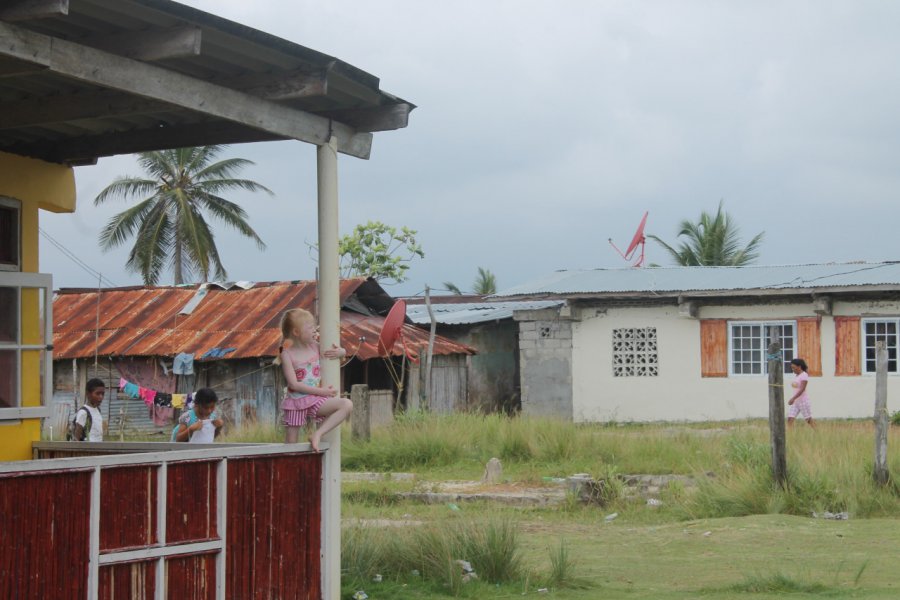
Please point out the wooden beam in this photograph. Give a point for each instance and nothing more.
(17, 68)
(151, 44)
(155, 83)
(379, 118)
(84, 105)
(29, 10)
(284, 85)
(81, 150)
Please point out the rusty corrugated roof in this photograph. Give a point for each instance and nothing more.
(146, 321)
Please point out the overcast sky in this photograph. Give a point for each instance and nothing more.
(545, 128)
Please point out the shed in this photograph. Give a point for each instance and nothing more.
(688, 343)
(492, 375)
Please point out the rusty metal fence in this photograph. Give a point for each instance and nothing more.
(156, 521)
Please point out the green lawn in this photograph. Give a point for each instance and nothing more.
(736, 536)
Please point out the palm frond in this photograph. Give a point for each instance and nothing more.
(231, 214)
(123, 225)
(223, 169)
(126, 187)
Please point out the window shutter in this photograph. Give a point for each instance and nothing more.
(809, 346)
(846, 350)
(714, 348)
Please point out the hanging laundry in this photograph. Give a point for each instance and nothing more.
(132, 390)
(162, 415)
(178, 400)
(183, 364)
(147, 396)
(162, 399)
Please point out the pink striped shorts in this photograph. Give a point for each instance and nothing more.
(298, 417)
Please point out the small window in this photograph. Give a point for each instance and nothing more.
(9, 235)
(25, 354)
(748, 342)
(635, 352)
(875, 330)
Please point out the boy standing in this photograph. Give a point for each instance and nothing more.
(89, 419)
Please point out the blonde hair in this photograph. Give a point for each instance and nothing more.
(295, 317)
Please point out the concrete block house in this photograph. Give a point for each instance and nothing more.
(688, 343)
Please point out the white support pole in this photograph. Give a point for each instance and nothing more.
(329, 333)
(94, 537)
(221, 525)
(162, 486)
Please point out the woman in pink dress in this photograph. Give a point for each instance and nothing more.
(799, 402)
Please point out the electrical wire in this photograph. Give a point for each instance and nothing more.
(74, 258)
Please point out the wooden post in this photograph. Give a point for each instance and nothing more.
(776, 408)
(360, 419)
(426, 389)
(881, 473)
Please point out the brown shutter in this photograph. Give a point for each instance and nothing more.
(714, 348)
(809, 346)
(846, 346)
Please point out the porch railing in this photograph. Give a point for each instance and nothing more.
(156, 521)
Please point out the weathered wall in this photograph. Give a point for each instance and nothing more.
(493, 373)
(546, 364)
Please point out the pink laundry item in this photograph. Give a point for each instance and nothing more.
(122, 383)
(147, 396)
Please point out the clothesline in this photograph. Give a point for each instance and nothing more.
(152, 397)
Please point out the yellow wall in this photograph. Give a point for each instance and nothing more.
(37, 185)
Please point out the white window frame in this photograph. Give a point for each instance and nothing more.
(17, 206)
(31, 281)
(863, 351)
(764, 327)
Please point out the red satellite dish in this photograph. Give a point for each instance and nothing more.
(392, 328)
(637, 240)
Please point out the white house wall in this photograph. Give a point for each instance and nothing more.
(679, 392)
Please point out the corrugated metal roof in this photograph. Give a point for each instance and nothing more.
(145, 321)
(676, 280)
(473, 312)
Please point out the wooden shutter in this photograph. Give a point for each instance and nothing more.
(714, 348)
(809, 346)
(846, 346)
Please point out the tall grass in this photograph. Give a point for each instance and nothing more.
(433, 552)
(829, 467)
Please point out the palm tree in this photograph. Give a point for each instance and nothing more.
(169, 223)
(485, 283)
(712, 241)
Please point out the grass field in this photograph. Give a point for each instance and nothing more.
(734, 536)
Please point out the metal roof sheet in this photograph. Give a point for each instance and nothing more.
(145, 321)
(676, 280)
(473, 312)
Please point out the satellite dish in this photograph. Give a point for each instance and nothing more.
(392, 328)
(637, 240)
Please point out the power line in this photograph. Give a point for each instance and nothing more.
(71, 255)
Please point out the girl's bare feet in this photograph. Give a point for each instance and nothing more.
(314, 439)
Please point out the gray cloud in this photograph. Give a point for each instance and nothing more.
(545, 128)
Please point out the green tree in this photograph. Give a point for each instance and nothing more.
(484, 285)
(379, 251)
(714, 240)
(183, 188)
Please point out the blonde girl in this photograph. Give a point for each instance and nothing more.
(305, 397)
